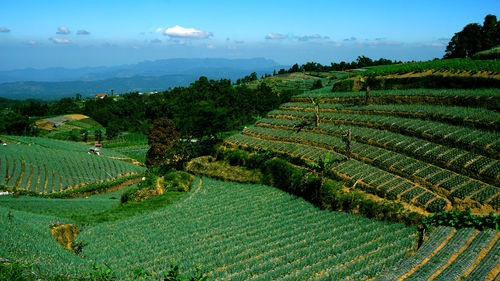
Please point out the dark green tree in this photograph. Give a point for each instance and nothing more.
(98, 135)
(490, 32)
(161, 137)
(474, 38)
(317, 84)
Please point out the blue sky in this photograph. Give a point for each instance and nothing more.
(43, 34)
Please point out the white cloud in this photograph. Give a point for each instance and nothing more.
(312, 37)
(231, 47)
(210, 46)
(82, 32)
(181, 32)
(273, 36)
(62, 30)
(31, 42)
(59, 40)
(350, 39)
(434, 44)
(380, 43)
(4, 29)
(159, 30)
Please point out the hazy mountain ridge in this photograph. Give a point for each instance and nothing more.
(147, 76)
(145, 68)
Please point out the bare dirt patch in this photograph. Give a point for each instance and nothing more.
(64, 234)
(76, 116)
(44, 124)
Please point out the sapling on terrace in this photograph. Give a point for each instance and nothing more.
(367, 83)
(315, 102)
(346, 137)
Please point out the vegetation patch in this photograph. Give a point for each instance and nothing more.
(65, 235)
(155, 185)
(209, 166)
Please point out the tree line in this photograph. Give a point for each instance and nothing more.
(202, 110)
(473, 38)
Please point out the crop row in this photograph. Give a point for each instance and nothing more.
(425, 271)
(369, 178)
(448, 255)
(458, 160)
(58, 144)
(482, 142)
(436, 239)
(47, 170)
(449, 65)
(466, 259)
(245, 232)
(487, 98)
(26, 239)
(418, 171)
(475, 117)
(487, 264)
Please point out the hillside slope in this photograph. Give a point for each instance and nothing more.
(424, 147)
(46, 166)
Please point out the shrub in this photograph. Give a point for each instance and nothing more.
(343, 85)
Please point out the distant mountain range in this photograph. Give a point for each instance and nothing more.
(147, 76)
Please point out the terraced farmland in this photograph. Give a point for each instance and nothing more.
(434, 156)
(47, 166)
(247, 232)
(451, 254)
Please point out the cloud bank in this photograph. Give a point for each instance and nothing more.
(312, 37)
(82, 32)
(62, 30)
(59, 40)
(4, 29)
(274, 36)
(181, 32)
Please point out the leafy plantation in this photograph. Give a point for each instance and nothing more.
(434, 156)
(46, 166)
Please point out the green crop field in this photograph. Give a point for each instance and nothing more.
(234, 231)
(450, 65)
(45, 166)
(430, 154)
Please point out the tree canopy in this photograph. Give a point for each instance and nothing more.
(473, 38)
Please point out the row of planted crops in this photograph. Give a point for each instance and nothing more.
(251, 232)
(423, 154)
(47, 166)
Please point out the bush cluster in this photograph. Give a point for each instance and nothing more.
(172, 181)
(461, 219)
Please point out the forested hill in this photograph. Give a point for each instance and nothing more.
(147, 76)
